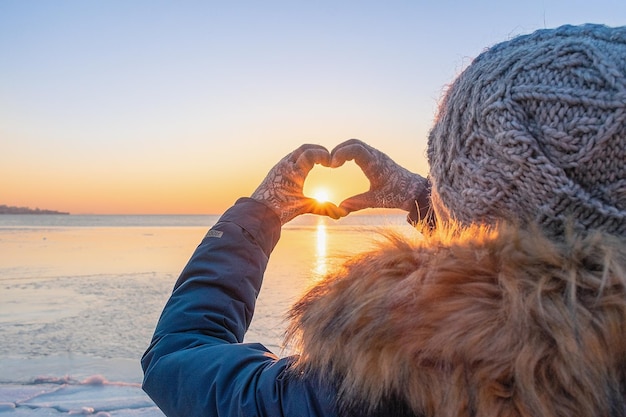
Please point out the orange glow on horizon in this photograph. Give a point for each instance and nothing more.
(147, 191)
(176, 196)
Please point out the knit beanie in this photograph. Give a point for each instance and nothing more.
(535, 130)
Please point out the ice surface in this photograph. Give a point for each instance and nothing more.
(93, 396)
(105, 397)
(27, 412)
(15, 393)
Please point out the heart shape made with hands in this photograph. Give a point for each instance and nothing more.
(335, 184)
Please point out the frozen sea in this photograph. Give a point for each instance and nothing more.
(80, 296)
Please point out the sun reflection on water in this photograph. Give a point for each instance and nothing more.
(321, 264)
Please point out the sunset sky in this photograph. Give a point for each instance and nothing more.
(181, 107)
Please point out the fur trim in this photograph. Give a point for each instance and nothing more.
(473, 322)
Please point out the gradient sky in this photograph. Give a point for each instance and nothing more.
(150, 106)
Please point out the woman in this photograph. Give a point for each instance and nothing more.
(514, 305)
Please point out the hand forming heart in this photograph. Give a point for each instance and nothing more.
(391, 186)
(281, 189)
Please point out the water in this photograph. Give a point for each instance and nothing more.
(80, 296)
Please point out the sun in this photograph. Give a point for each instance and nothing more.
(321, 195)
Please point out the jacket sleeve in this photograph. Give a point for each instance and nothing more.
(197, 364)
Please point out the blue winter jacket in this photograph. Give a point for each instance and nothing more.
(197, 364)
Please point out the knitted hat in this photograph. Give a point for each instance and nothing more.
(535, 130)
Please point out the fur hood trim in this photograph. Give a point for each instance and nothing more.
(478, 321)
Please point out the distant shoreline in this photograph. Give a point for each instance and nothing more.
(4, 209)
